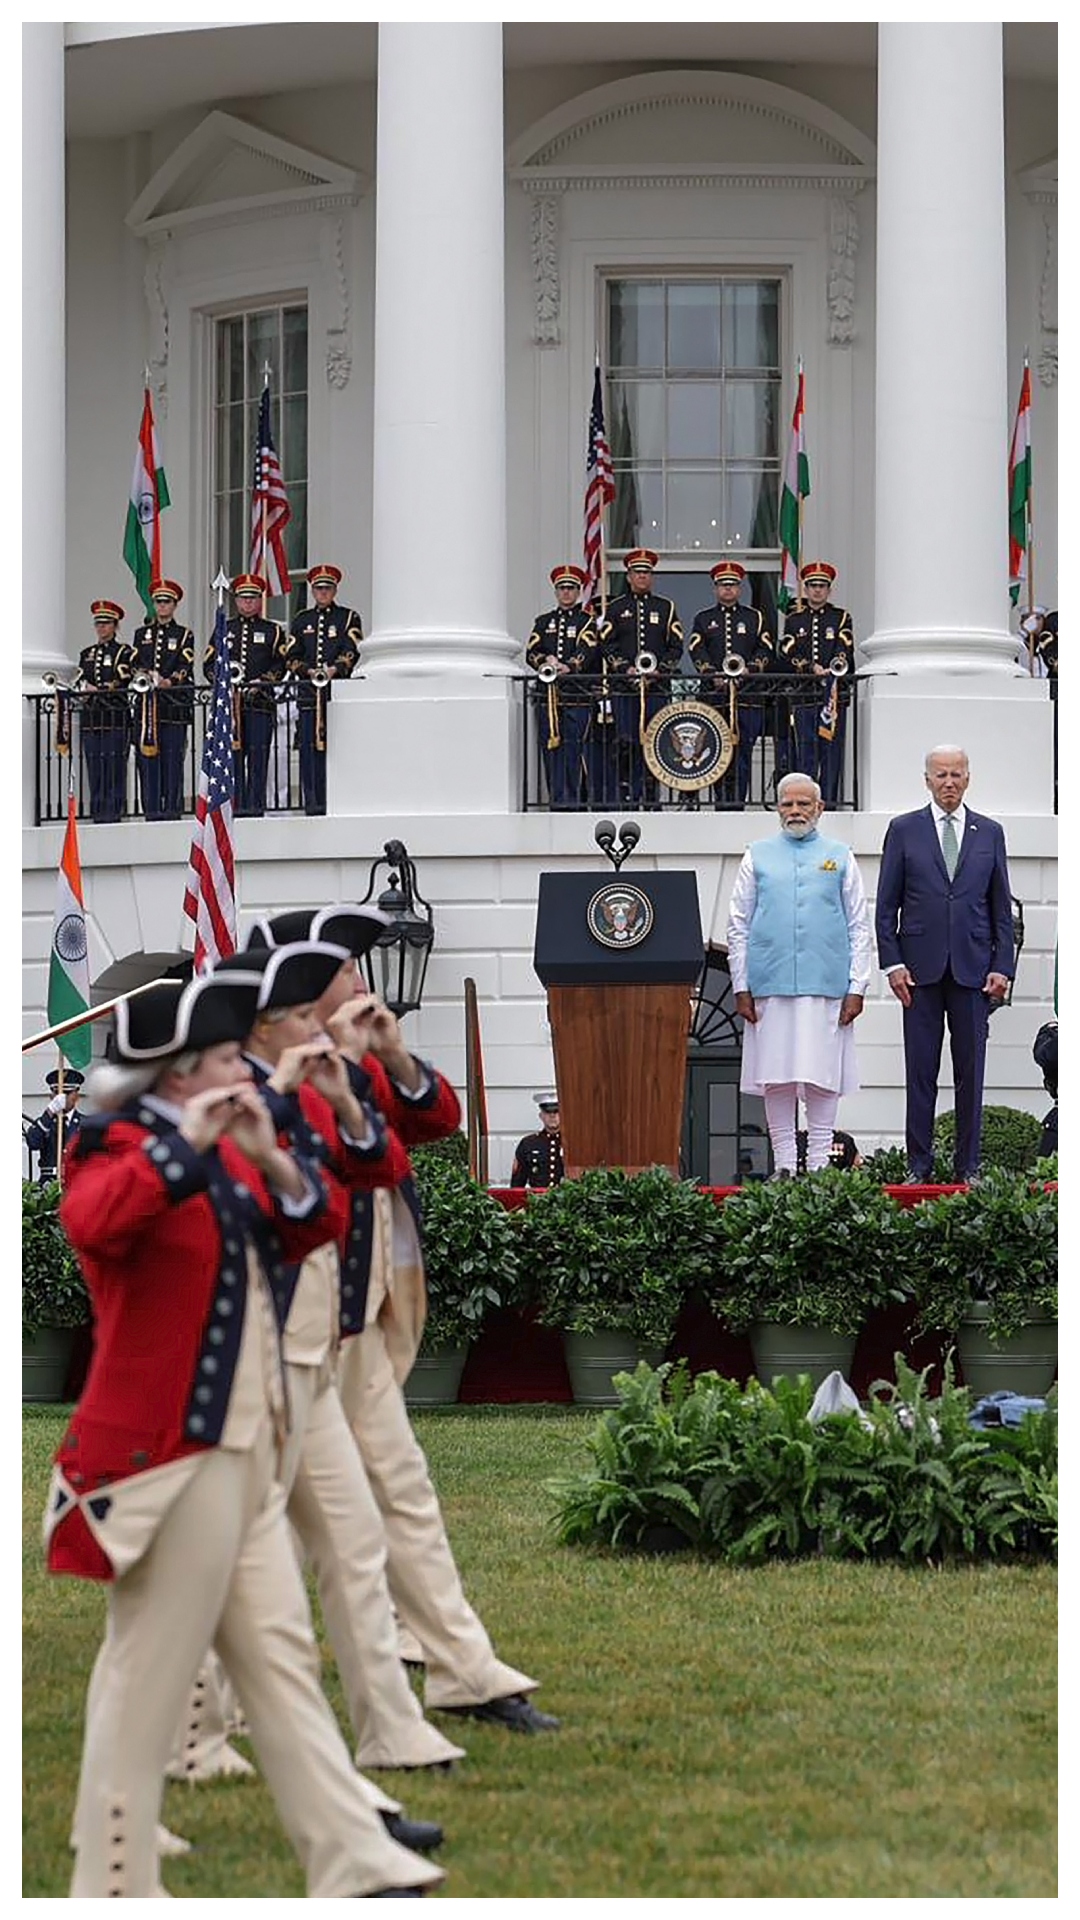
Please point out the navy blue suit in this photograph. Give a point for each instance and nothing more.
(949, 934)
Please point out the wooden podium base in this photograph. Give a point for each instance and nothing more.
(620, 1065)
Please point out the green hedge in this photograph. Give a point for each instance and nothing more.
(742, 1474)
(53, 1291)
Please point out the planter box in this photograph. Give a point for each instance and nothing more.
(789, 1351)
(46, 1362)
(435, 1378)
(1025, 1364)
(593, 1359)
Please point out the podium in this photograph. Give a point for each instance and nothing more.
(619, 958)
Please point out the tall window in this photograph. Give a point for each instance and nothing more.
(693, 412)
(245, 343)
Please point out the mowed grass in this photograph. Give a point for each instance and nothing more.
(812, 1730)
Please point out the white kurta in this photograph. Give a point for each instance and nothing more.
(797, 1038)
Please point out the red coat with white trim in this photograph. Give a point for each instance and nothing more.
(160, 1233)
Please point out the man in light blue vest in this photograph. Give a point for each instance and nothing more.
(798, 942)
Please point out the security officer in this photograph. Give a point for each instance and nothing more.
(639, 621)
(258, 652)
(559, 642)
(719, 631)
(815, 637)
(322, 640)
(40, 1134)
(108, 664)
(538, 1158)
(166, 651)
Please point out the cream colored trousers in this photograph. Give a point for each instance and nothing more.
(221, 1570)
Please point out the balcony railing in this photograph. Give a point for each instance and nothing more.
(600, 763)
(118, 729)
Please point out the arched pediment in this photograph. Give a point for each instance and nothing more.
(692, 121)
(229, 169)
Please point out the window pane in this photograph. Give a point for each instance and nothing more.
(635, 510)
(293, 447)
(750, 518)
(296, 349)
(263, 346)
(639, 407)
(296, 531)
(693, 511)
(750, 419)
(723, 1106)
(694, 420)
(694, 326)
(237, 535)
(636, 324)
(752, 323)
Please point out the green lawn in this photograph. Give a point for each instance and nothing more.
(813, 1730)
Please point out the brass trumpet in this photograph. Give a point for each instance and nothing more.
(54, 684)
(645, 663)
(838, 666)
(319, 677)
(142, 682)
(236, 673)
(547, 674)
(733, 666)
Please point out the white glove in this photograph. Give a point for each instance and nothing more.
(57, 1103)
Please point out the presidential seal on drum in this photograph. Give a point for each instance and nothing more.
(619, 915)
(688, 745)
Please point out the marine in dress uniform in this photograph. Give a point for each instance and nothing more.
(538, 1158)
(183, 1210)
(728, 627)
(258, 651)
(560, 641)
(40, 1134)
(324, 639)
(638, 621)
(815, 636)
(166, 651)
(382, 1322)
(106, 727)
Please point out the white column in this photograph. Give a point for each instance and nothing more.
(941, 654)
(43, 459)
(941, 587)
(439, 523)
(433, 725)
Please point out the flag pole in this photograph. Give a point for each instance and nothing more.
(62, 1091)
(81, 1019)
(266, 389)
(603, 514)
(799, 505)
(1030, 531)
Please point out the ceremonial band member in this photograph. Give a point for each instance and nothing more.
(637, 622)
(165, 650)
(382, 1322)
(728, 628)
(538, 1158)
(257, 649)
(41, 1134)
(945, 939)
(799, 951)
(560, 641)
(1041, 639)
(324, 639)
(182, 1209)
(106, 724)
(816, 636)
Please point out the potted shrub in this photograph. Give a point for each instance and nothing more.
(471, 1264)
(803, 1263)
(984, 1271)
(608, 1258)
(1010, 1139)
(55, 1303)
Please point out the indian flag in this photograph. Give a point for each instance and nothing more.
(149, 495)
(795, 489)
(1020, 490)
(69, 965)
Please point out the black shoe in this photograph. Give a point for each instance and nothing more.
(918, 1179)
(420, 1836)
(513, 1711)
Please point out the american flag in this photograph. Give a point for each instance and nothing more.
(270, 509)
(210, 895)
(599, 492)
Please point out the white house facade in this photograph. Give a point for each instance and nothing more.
(430, 231)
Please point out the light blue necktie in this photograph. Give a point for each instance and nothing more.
(948, 845)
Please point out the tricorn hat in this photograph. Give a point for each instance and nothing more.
(175, 1015)
(290, 976)
(354, 928)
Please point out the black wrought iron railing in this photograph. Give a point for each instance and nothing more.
(98, 739)
(584, 740)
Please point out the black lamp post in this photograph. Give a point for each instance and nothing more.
(397, 963)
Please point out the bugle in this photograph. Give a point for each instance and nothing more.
(733, 666)
(143, 682)
(838, 666)
(547, 676)
(61, 689)
(54, 684)
(319, 677)
(644, 664)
